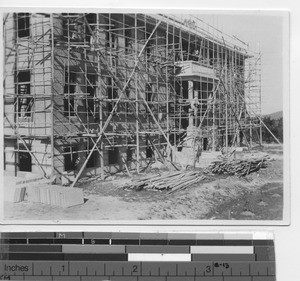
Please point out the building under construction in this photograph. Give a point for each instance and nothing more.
(93, 93)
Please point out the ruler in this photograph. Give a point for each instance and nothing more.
(119, 256)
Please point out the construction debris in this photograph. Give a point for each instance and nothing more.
(238, 167)
(172, 181)
(55, 195)
(40, 190)
(15, 187)
(15, 194)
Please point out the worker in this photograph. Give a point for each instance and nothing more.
(196, 55)
(194, 105)
(92, 43)
(23, 110)
(197, 150)
(77, 33)
(160, 116)
(194, 108)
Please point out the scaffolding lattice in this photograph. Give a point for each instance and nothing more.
(106, 90)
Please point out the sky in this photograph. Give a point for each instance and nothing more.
(265, 32)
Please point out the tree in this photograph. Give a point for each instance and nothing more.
(275, 126)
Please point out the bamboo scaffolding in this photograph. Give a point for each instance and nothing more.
(29, 151)
(154, 56)
(114, 108)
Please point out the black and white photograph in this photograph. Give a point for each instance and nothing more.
(144, 116)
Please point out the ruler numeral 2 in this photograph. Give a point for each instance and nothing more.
(134, 268)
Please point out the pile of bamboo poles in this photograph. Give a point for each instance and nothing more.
(171, 181)
(238, 167)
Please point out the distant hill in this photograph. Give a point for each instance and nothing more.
(275, 115)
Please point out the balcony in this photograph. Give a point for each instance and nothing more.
(193, 70)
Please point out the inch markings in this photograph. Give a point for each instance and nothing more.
(80, 256)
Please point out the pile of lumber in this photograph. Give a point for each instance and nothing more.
(171, 181)
(55, 195)
(238, 167)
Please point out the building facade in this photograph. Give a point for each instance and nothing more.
(99, 93)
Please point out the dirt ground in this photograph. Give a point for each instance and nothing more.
(258, 196)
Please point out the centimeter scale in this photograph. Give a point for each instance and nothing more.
(120, 256)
